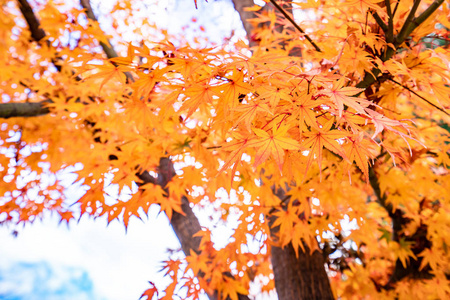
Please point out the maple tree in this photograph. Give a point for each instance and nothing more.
(328, 138)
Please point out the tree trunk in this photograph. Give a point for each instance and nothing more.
(302, 277)
(298, 277)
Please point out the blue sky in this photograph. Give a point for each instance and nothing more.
(41, 280)
(89, 260)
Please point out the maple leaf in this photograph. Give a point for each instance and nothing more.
(381, 122)
(402, 251)
(431, 259)
(286, 219)
(231, 288)
(274, 92)
(66, 216)
(357, 150)
(249, 112)
(107, 72)
(273, 144)
(197, 94)
(302, 109)
(237, 146)
(171, 266)
(323, 137)
(196, 262)
(301, 235)
(147, 82)
(171, 204)
(229, 92)
(150, 292)
(343, 96)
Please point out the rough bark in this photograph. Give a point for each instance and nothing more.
(239, 6)
(27, 109)
(302, 277)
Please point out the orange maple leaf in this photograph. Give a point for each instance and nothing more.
(357, 150)
(107, 72)
(230, 287)
(197, 94)
(274, 144)
(249, 112)
(323, 137)
(230, 91)
(343, 96)
(150, 292)
(303, 110)
(237, 145)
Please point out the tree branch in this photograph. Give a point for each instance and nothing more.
(410, 23)
(381, 198)
(289, 18)
(379, 21)
(405, 28)
(108, 49)
(26, 109)
(418, 239)
(423, 16)
(390, 29)
(37, 33)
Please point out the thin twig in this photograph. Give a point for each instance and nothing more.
(379, 21)
(405, 28)
(390, 31)
(395, 8)
(108, 49)
(423, 16)
(289, 18)
(424, 99)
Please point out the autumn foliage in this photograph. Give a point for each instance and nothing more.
(327, 140)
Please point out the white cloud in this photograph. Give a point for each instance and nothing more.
(119, 264)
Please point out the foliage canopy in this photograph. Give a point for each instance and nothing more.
(329, 136)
